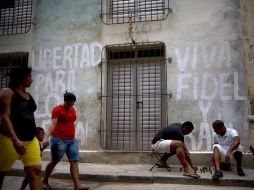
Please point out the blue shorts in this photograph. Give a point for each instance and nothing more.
(61, 146)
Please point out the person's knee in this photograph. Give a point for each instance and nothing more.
(73, 162)
(176, 146)
(33, 171)
(216, 154)
(178, 143)
(216, 149)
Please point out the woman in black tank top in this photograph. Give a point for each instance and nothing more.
(22, 111)
(17, 109)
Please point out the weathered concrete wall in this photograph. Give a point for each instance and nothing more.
(247, 12)
(16, 43)
(206, 78)
(208, 64)
(65, 56)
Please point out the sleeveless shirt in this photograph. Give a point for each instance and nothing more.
(22, 116)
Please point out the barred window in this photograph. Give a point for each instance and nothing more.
(119, 11)
(15, 16)
(9, 61)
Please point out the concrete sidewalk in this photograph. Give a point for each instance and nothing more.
(140, 173)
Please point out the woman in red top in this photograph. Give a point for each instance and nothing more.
(62, 140)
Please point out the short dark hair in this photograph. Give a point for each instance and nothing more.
(188, 125)
(69, 96)
(39, 129)
(17, 75)
(218, 123)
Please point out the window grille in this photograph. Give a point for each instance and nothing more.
(134, 95)
(15, 16)
(119, 11)
(9, 61)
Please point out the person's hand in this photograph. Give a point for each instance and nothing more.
(19, 146)
(45, 142)
(195, 168)
(227, 158)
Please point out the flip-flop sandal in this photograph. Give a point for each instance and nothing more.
(193, 175)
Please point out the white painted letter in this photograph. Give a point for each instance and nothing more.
(180, 85)
(182, 64)
(47, 58)
(57, 100)
(236, 88)
(67, 58)
(195, 87)
(209, 62)
(71, 83)
(48, 83)
(225, 58)
(214, 88)
(223, 85)
(95, 53)
(56, 57)
(59, 83)
(85, 56)
(194, 57)
(76, 52)
(39, 79)
(204, 109)
(204, 135)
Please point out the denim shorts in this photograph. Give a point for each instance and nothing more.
(61, 146)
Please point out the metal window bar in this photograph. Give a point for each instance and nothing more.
(9, 61)
(119, 11)
(150, 91)
(15, 16)
(121, 113)
(132, 112)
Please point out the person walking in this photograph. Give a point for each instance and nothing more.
(17, 128)
(63, 141)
